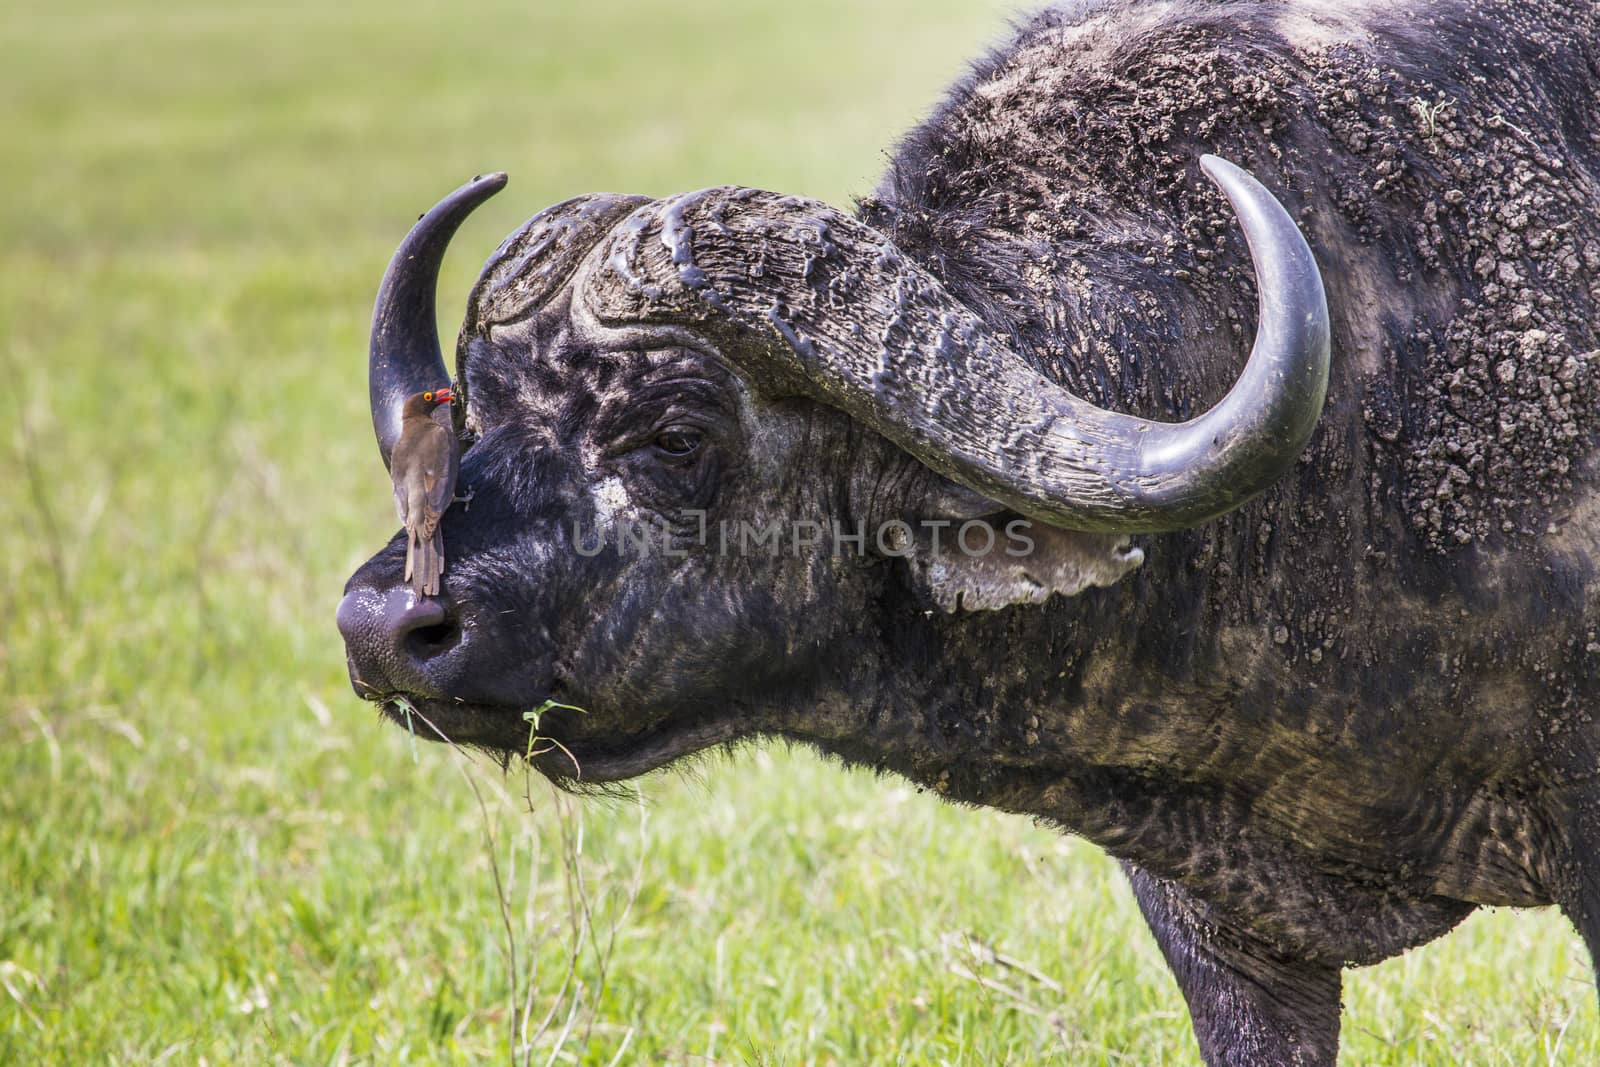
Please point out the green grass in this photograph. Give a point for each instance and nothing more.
(209, 849)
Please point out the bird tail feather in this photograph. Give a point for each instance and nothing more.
(411, 554)
(433, 563)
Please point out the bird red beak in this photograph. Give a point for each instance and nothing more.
(444, 396)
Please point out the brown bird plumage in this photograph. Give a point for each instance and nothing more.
(424, 465)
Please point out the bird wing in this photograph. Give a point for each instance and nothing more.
(441, 478)
(401, 471)
(430, 480)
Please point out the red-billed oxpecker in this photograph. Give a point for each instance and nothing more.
(426, 459)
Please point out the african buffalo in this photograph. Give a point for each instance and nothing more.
(1322, 676)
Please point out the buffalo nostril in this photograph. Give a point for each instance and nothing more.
(420, 629)
(392, 635)
(433, 639)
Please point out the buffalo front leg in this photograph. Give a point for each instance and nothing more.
(1250, 1007)
(1577, 879)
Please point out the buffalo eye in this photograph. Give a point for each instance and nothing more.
(678, 442)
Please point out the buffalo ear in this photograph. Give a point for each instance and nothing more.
(968, 553)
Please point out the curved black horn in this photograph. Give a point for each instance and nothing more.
(857, 324)
(1212, 463)
(404, 356)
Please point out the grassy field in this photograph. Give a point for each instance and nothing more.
(210, 851)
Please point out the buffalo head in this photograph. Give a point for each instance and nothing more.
(712, 443)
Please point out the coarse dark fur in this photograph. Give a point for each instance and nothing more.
(1317, 731)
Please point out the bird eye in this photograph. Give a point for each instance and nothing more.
(427, 398)
(678, 442)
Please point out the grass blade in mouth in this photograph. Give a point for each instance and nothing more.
(532, 718)
(411, 731)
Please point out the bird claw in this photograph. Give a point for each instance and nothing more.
(464, 499)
